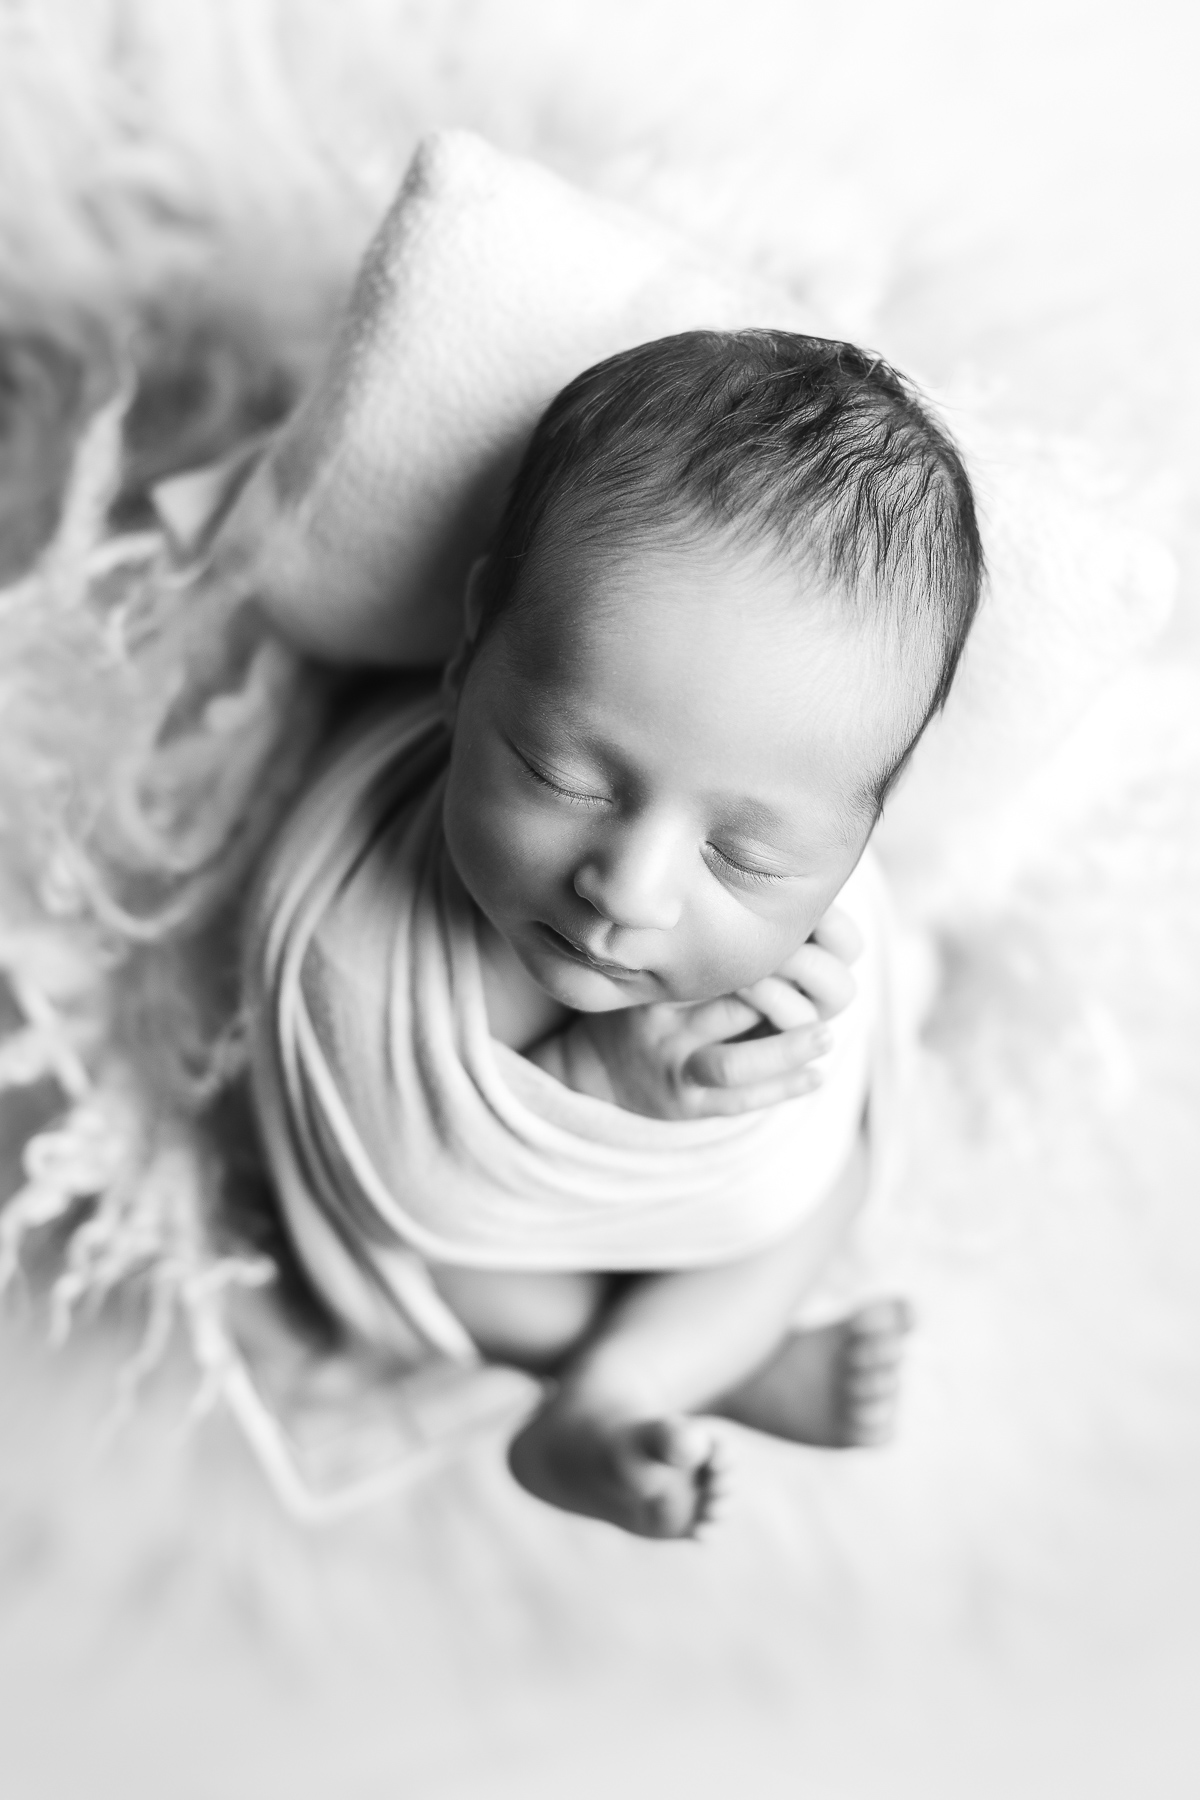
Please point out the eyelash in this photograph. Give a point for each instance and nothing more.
(756, 877)
(563, 793)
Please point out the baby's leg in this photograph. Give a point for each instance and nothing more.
(530, 1320)
(614, 1440)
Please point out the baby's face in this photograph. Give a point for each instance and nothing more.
(660, 770)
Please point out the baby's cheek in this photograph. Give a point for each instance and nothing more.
(752, 945)
(733, 953)
(496, 847)
(468, 823)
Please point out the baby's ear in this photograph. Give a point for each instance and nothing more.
(455, 670)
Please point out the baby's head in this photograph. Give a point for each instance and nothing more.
(730, 590)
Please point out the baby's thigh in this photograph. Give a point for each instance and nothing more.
(532, 1320)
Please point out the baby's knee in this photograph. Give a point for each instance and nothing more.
(530, 1320)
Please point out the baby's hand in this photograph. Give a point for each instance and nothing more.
(816, 982)
(733, 1055)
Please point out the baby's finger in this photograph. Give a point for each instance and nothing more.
(712, 1021)
(824, 978)
(726, 1102)
(837, 933)
(781, 1002)
(756, 1060)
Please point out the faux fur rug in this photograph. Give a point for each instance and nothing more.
(1003, 1604)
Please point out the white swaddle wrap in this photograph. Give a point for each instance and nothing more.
(400, 1132)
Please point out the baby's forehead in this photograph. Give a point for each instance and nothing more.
(721, 654)
(666, 587)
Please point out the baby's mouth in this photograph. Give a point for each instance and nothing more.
(568, 947)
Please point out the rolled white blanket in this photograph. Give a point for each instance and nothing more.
(399, 1130)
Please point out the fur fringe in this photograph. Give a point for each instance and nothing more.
(153, 730)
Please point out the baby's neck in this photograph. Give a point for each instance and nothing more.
(519, 1012)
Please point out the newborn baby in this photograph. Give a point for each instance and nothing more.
(537, 970)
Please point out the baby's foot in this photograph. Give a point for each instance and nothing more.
(656, 1477)
(835, 1387)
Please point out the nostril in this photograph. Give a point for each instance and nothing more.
(589, 886)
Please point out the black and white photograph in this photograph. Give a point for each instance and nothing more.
(599, 896)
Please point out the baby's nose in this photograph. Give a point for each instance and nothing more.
(633, 883)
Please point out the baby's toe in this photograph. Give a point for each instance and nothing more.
(672, 1511)
(670, 1470)
(712, 1489)
(872, 1370)
(892, 1317)
(877, 1337)
(880, 1381)
(874, 1352)
(872, 1420)
(680, 1443)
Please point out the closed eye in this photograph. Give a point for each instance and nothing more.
(740, 872)
(573, 794)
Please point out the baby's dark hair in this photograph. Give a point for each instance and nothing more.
(807, 445)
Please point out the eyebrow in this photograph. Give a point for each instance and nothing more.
(760, 829)
(758, 815)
